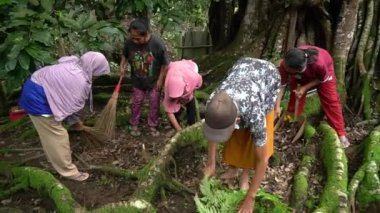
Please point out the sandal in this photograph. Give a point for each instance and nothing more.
(81, 176)
(135, 132)
(154, 132)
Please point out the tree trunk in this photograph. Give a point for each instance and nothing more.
(348, 29)
(221, 23)
(343, 41)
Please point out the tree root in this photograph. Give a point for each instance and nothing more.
(31, 158)
(364, 187)
(175, 185)
(24, 178)
(20, 150)
(165, 200)
(134, 205)
(334, 195)
(12, 190)
(368, 122)
(82, 161)
(175, 167)
(300, 183)
(353, 187)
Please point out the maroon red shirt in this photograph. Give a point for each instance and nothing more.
(322, 68)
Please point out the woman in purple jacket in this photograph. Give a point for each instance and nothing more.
(56, 93)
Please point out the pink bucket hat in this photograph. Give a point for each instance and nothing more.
(181, 81)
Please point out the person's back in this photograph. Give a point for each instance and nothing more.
(253, 84)
(181, 81)
(322, 68)
(240, 114)
(58, 92)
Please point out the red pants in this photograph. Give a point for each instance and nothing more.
(329, 98)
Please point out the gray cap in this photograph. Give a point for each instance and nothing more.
(220, 118)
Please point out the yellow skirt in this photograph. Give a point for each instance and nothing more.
(239, 150)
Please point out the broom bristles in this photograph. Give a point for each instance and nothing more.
(107, 118)
(105, 124)
(95, 134)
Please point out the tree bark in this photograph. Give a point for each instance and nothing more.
(343, 42)
(221, 15)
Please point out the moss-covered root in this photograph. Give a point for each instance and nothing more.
(312, 106)
(334, 195)
(155, 176)
(301, 178)
(25, 178)
(365, 185)
(152, 177)
(132, 206)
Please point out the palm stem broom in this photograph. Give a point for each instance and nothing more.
(104, 128)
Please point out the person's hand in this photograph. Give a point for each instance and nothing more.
(78, 126)
(159, 85)
(247, 205)
(299, 92)
(209, 170)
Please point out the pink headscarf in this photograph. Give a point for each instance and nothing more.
(67, 85)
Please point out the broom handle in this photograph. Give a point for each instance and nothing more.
(117, 88)
(296, 105)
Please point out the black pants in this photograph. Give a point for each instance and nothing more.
(190, 111)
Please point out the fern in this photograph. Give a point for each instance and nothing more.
(217, 198)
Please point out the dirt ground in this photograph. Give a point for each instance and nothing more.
(127, 152)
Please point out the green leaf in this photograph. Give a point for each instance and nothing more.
(10, 65)
(46, 16)
(18, 22)
(34, 2)
(24, 60)
(4, 2)
(148, 3)
(109, 30)
(39, 54)
(4, 46)
(3, 61)
(93, 32)
(99, 24)
(47, 5)
(139, 5)
(15, 51)
(22, 13)
(70, 23)
(91, 20)
(81, 18)
(42, 36)
(107, 47)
